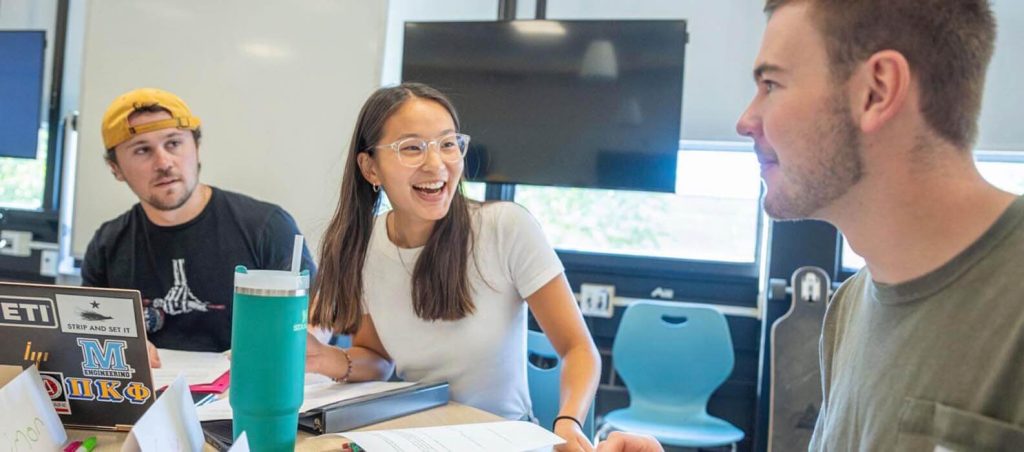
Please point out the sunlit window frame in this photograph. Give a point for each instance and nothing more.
(1007, 156)
(718, 281)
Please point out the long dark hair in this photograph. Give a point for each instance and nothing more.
(440, 289)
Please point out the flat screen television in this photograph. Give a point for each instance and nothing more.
(593, 104)
(21, 91)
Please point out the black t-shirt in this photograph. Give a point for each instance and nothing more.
(186, 272)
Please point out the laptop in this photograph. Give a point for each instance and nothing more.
(89, 345)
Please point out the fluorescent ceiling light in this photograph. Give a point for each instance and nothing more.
(538, 27)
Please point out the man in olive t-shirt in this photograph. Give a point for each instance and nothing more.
(865, 116)
(934, 361)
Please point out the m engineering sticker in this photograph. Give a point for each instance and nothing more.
(104, 359)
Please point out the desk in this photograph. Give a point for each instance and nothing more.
(450, 414)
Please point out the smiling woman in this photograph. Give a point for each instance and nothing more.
(439, 286)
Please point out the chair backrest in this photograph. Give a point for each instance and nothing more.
(672, 357)
(545, 382)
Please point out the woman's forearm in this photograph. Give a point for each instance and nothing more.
(581, 372)
(367, 365)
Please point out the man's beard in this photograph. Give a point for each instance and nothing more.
(158, 204)
(832, 173)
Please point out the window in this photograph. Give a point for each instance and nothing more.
(1007, 175)
(22, 181)
(23, 131)
(713, 216)
(474, 190)
(1003, 169)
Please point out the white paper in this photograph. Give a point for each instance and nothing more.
(198, 367)
(314, 395)
(323, 394)
(241, 444)
(28, 420)
(217, 410)
(170, 424)
(506, 436)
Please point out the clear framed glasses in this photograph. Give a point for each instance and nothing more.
(412, 152)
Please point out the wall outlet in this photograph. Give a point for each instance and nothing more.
(48, 263)
(15, 243)
(597, 300)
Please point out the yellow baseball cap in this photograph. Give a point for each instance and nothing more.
(116, 129)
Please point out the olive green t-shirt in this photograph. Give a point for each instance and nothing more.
(935, 363)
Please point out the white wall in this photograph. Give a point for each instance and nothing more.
(1003, 108)
(724, 39)
(277, 86)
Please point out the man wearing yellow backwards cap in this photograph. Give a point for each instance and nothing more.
(180, 244)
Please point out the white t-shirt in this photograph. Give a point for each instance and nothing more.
(481, 356)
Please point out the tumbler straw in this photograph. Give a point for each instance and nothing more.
(297, 254)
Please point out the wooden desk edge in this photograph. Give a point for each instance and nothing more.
(451, 414)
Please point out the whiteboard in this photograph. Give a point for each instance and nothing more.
(277, 84)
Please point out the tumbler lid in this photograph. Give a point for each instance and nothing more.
(271, 282)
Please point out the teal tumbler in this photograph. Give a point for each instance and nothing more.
(268, 355)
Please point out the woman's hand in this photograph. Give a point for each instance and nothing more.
(628, 442)
(315, 354)
(575, 440)
(154, 357)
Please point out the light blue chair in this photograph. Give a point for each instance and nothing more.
(544, 382)
(671, 358)
(341, 340)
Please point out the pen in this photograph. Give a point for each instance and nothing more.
(73, 446)
(206, 399)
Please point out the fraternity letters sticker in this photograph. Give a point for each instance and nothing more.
(53, 382)
(97, 315)
(104, 390)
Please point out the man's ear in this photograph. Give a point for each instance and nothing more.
(884, 88)
(368, 167)
(115, 170)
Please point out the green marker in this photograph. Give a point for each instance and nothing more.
(88, 445)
